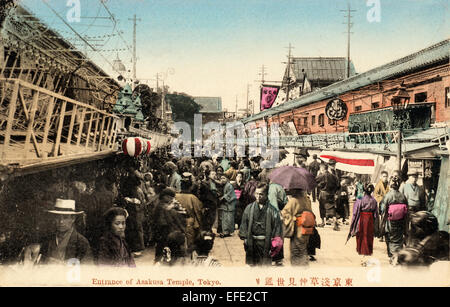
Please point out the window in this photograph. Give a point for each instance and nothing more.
(358, 108)
(321, 120)
(313, 119)
(420, 97)
(447, 97)
(305, 121)
(375, 105)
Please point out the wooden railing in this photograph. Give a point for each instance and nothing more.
(41, 126)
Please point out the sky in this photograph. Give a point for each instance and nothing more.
(217, 47)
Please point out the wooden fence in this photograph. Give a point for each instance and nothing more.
(38, 126)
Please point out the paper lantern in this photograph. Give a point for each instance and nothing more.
(136, 146)
(132, 147)
(149, 146)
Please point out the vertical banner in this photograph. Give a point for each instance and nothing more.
(268, 95)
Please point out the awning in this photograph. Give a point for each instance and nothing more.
(355, 162)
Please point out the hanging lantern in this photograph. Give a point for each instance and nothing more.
(149, 146)
(136, 146)
(132, 147)
(145, 146)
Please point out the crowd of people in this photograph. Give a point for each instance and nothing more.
(179, 206)
(398, 213)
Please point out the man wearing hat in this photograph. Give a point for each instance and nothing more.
(332, 167)
(174, 179)
(328, 184)
(415, 195)
(282, 158)
(300, 157)
(66, 243)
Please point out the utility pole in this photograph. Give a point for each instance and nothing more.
(157, 82)
(349, 26)
(288, 72)
(163, 100)
(134, 49)
(262, 74)
(235, 116)
(247, 112)
(162, 95)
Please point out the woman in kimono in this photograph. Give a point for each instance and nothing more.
(238, 186)
(395, 229)
(227, 202)
(228, 207)
(365, 215)
(113, 249)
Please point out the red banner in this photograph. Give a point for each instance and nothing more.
(268, 95)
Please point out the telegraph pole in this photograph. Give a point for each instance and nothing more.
(288, 72)
(247, 113)
(157, 82)
(134, 49)
(262, 74)
(349, 26)
(163, 100)
(162, 94)
(235, 116)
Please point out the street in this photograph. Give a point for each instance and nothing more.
(334, 252)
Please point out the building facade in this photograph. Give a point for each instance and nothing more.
(211, 109)
(425, 74)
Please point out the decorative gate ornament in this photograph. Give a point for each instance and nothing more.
(336, 109)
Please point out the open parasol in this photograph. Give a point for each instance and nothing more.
(291, 177)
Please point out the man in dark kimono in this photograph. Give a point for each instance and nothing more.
(167, 218)
(261, 223)
(313, 168)
(65, 244)
(209, 199)
(328, 185)
(194, 209)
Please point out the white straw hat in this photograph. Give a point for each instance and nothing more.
(64, 206)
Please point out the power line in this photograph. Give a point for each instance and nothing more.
(77, 34)
(115, 22)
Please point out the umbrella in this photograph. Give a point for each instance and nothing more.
(291, 177)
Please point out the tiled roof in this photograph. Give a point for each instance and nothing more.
(318, 69)
(431, 55)
(209, 104)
